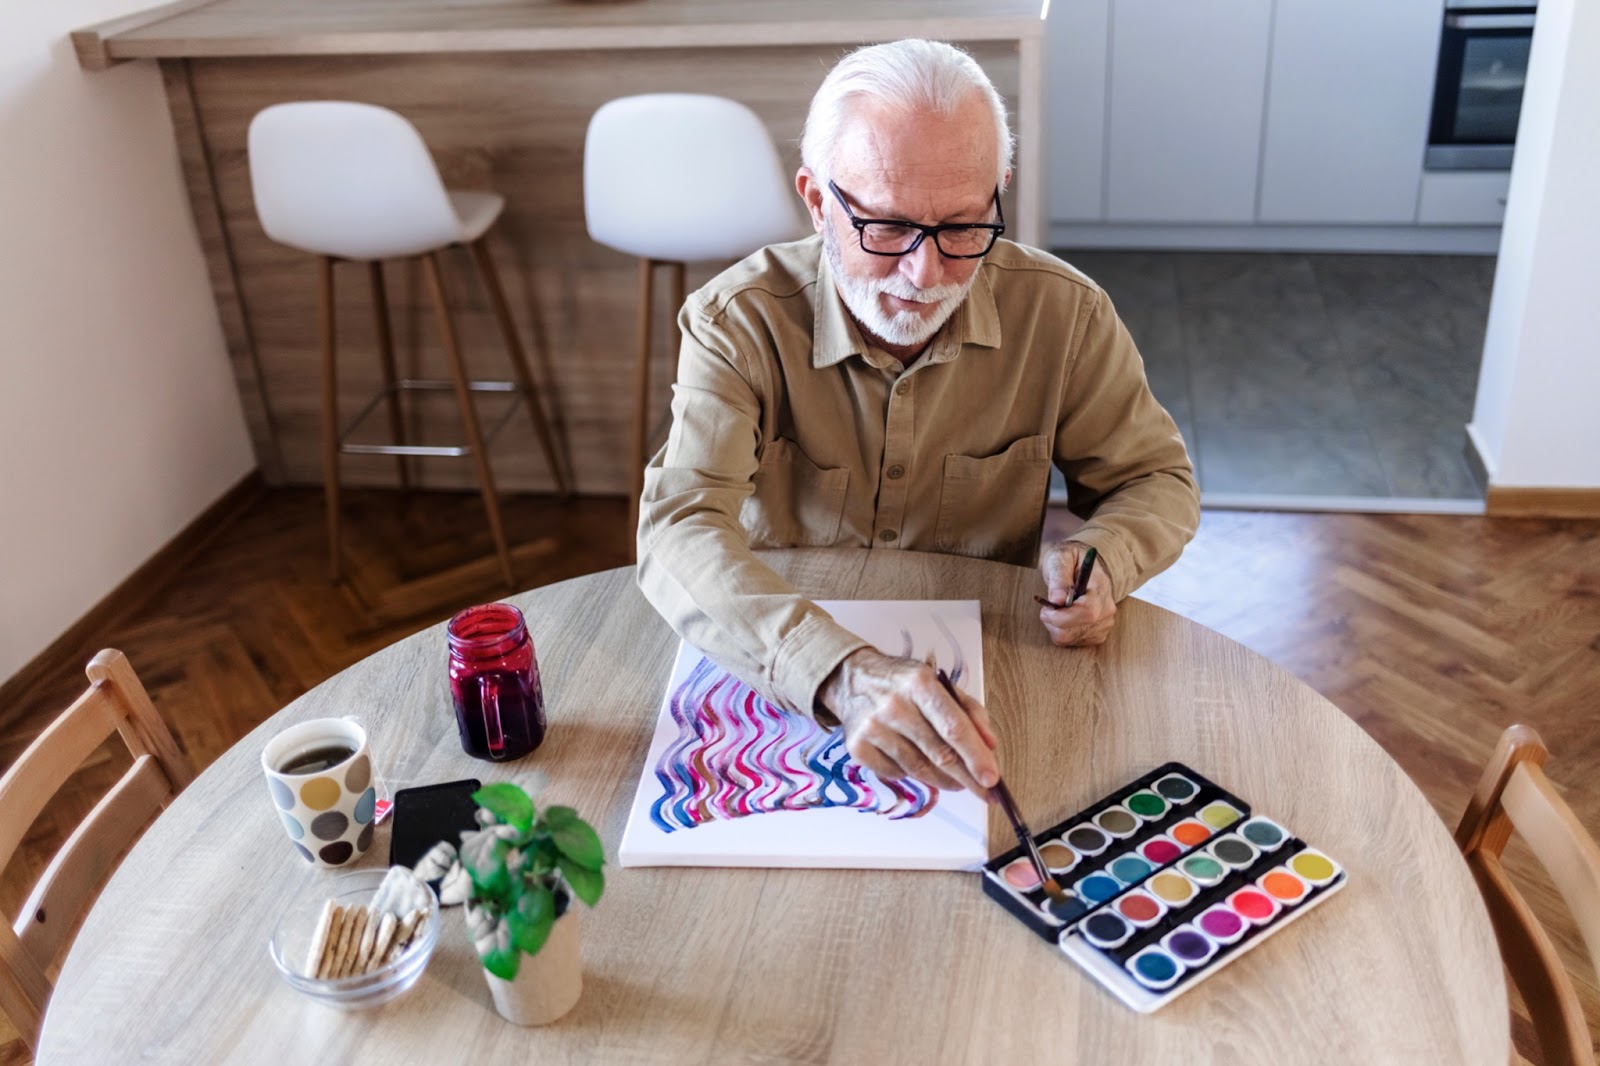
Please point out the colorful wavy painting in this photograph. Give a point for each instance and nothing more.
(738, 755)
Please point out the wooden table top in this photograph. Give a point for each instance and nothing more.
(195, 28)
(819, 965)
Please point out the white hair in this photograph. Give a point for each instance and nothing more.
(912, 74)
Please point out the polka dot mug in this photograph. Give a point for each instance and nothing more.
(320, 776)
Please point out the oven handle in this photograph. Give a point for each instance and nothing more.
(1489, 22)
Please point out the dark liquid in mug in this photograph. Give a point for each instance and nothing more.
(317, 759)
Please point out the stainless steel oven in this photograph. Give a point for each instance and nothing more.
(1477, 94)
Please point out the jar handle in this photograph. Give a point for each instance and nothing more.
(489, 701)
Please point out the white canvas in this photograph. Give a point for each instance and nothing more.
(759, 765)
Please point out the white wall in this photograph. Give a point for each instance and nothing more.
(119, 421)
(1537, 419)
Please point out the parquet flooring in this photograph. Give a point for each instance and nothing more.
(1432, 632)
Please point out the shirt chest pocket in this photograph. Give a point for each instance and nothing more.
(993, 507)
(796, 503)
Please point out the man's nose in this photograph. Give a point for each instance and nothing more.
(923, 267)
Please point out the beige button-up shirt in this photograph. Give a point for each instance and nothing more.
(789, 430)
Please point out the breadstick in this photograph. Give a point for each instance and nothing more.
(385, 939)
(330, 945)
(369, 935)
(319, 939)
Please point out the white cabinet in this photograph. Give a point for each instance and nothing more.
(1075, 109)
(1349, 98)
(1464, 198)
(1188, 88)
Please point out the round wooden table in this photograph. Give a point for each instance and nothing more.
(734, 965)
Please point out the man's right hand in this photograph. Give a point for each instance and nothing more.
(900, 722)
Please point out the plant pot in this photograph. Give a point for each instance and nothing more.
(548, 984)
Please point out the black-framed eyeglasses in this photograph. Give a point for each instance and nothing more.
(955, 240)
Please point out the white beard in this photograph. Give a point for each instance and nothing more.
(900, 328)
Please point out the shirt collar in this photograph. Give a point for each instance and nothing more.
(836, 337)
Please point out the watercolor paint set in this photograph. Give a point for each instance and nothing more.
(1167, 880)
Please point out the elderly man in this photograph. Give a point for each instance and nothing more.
(904, 380)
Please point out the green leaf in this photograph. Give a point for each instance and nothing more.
(502, 962)
(507, 802)
(556, 817)
(580, 843)
(530, 923)
(586, 884)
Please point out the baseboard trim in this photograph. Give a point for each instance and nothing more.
(79, 642)
(1424, 240)
(1509, 501)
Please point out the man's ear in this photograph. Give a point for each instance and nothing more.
(810, 190)
(1005, 180)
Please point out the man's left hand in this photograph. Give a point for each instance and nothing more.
(1089, 620)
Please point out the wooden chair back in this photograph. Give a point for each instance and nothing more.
(114, 702)
(1514, 793)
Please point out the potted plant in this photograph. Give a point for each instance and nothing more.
(517, 876)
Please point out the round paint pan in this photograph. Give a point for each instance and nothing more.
(1314, 868)
(1058, 858)
(1118, 822)
(1067, 909)
(1155, 969)
(1233, 851)
(1220, 814)
(1020, 875)
(1191, 833)
(1283, 886)
(1105, 929)
(1203, 870)
(1146, 804)
(1141, 909)
(1086, 840)
(1264, 833)
(1129, 869)
(1158, 851)
(1097, 888)
(1175, 788)
(1222, 924)
(1189, 946)
(1171, 888)
(1254, 906)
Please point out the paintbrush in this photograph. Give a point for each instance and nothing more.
(1009, 805)
(1079, 587)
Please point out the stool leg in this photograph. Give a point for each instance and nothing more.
(380, 308)
(469, 415)
(330, 412)
(519, 362)
(641, 414)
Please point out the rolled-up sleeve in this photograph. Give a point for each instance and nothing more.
(1127, 471)
(695, 563)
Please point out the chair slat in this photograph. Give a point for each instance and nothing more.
(1559, 840)
(1535, 966)
(79, 870)
(31, 783)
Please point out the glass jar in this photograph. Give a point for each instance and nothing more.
(494, 683)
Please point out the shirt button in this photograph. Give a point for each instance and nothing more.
(887, 535)
(902, 388)
(896, 472)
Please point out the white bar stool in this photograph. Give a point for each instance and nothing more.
(677, 178)
(351, 181)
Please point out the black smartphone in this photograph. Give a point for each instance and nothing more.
(427, 814)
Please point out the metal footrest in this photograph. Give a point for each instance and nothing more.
(508, 388)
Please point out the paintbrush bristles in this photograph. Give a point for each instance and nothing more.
(1025, 837)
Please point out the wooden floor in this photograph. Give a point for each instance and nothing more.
(1432, 632)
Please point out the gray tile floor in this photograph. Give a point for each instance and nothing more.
(1310, 375)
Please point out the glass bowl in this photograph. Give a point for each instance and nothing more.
(291, 941)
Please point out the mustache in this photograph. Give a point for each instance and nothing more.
(900, 286)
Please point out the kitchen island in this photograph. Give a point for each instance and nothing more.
(502, 93)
